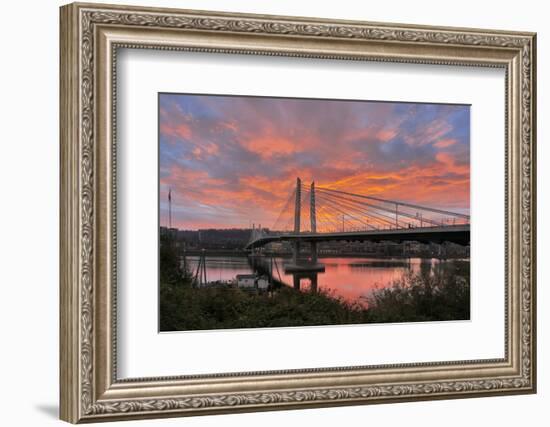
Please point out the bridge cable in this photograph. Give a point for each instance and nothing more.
(402, 213)
(410, 205)
(379, 216)
(374, 215)
(334, 206)
(285, 210)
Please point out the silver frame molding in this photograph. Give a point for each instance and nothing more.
(90, 37)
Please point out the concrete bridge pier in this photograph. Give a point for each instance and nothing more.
(313, 252)
(296, 281)
(303, 266)
(295, 252)
(313, 280)
(312, 277)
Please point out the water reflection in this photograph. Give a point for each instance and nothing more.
(349, 278)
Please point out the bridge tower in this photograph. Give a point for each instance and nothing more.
(297, 205)
(313, 222)
(297, 209)
(312, 213)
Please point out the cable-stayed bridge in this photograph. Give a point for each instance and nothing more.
(316, 214)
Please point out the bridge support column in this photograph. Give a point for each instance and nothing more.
(295, 251)
(296, 281)
(313, 222)
(312, 211)
(297, 220)
(313, 252)
(313, 281)
(297, 205)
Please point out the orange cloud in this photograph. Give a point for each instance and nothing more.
(386, 134)
(270, 145)
(232, 160)
(181, 130)
(444, 143)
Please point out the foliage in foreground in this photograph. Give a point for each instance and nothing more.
(415, 299)
(444, 295)
(186, 308)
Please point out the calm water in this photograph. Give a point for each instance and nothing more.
(350, 278)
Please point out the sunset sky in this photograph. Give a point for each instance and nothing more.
(231, 161)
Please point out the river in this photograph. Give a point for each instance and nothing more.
(349, 278)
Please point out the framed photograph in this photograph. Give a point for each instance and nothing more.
(265, 212)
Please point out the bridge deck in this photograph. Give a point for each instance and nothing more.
(459, 234)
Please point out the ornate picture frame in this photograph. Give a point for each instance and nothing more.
(90, 37)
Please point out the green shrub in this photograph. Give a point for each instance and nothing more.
(445, 295)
